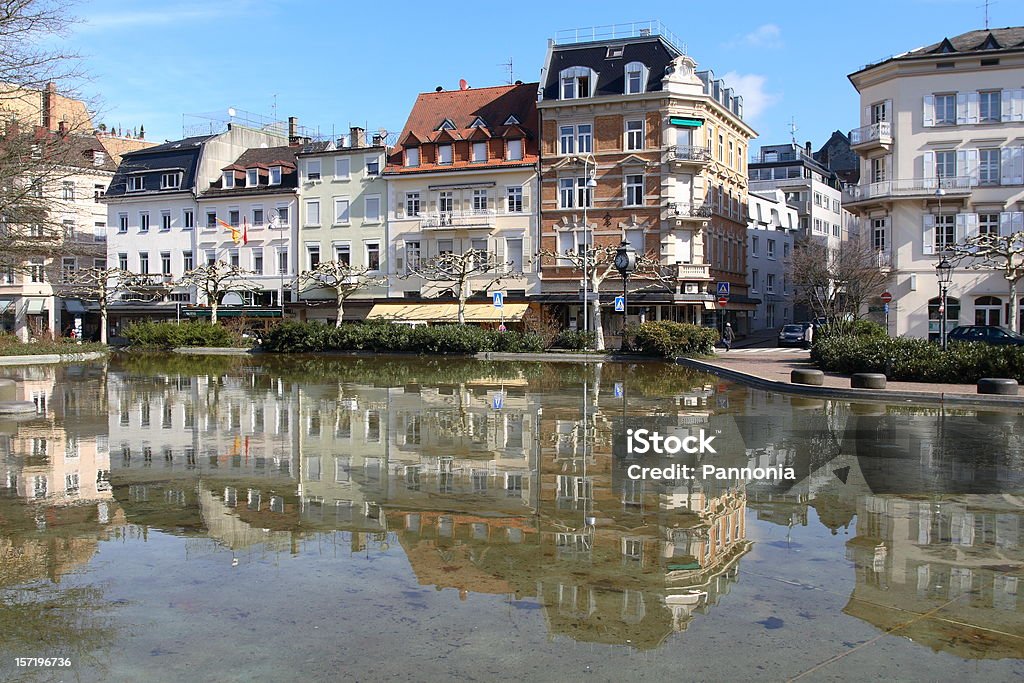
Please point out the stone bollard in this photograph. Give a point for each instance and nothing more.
(867, 380)
(997, 385)
(812, 377)
(17, 407)
(8, 390)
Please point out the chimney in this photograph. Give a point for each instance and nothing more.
(357, 136)
(293, 129)
(62, 128)
(807, 147)
(49, 102)
(378, 139)
(142, 132)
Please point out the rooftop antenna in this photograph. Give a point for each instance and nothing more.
(273, 108)
(508, 65)
(792, 130)
(986, 5)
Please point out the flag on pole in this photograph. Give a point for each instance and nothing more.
(236, 234)
(245, 231)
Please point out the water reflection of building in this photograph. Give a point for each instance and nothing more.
(955, 562)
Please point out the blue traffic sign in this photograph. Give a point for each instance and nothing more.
(620, 304)
(499, 299)
(723, 289)
(885, 308)
(498, 401)
(619, 390)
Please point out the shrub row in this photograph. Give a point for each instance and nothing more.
(10, 345)
(292, 337)
(574, 340)
(917, 360)
(167, 335)
(671, 340)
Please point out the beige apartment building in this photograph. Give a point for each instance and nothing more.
(942, 159)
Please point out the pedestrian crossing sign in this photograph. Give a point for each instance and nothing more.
(620, 304)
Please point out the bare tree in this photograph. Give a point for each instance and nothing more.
(836, 284)
(213, 280)
(457, 270)
(341, 278)
(1002, 253)
(103, 285)
(599, 263)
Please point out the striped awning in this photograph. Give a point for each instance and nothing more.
(446, 313)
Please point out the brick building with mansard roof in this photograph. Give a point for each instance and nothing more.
(669, 145)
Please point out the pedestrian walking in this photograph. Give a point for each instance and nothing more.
(728, 337)
(808, 336)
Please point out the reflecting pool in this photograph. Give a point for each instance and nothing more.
(222, 518)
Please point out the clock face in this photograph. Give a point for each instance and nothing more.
(621, 261)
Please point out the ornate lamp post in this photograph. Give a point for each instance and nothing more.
(625, 263)
(944, 271)
(589, 184)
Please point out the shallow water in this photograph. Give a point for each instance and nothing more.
(170, 518)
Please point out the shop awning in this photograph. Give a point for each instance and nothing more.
(232, 312)
(709, 305)
(446, 313)
(35, 306)
(5, 304)
(74, 306)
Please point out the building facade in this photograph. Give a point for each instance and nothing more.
(637, 146)
(772, 224)
(941, 161)
(464, 176)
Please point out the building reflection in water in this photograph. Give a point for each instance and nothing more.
(495, 479)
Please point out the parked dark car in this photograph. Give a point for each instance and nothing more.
(990, 334)
(792, 335)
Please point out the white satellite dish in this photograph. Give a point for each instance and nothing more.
(232, 299)
(231, 111)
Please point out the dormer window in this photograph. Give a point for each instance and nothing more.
(99, 158)
(478, 123)
(229, 180)
(636, 78)
(275, 175)
(512, 121)
(515, 150)
(577, 81)
(447, 124)
(170, 181)
(412, 156)
(252, 177)
(479, 152)
(135, 184)
(444, 154)
(614, 52)
(312, 169)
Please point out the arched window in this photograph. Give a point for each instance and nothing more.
(935, 316)
(636, 78)
(577, 81)
(988, 310)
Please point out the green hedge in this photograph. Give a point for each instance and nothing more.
(917, 360)
(291, 337)
(11, 346)
(671, 340)
(574, 340)
(167, 335)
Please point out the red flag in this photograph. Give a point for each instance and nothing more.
(245, 231)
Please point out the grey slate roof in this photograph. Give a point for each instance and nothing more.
(981, 40)
(655, 53)
(182, 155)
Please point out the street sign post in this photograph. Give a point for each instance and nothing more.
(620, 304)
(499, 299)
(723, 289)
(722, 301)
(498, 400)
(886, 297)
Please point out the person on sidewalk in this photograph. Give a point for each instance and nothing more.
(809, 336)
(728, 337)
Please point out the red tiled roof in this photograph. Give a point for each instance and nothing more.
(463, 107)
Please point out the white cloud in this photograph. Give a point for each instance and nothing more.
(752, 87)
(157, 17)
(765, 36)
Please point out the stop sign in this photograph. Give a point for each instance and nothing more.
(886, 297)
(722, 301)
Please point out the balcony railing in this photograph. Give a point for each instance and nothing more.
(690, 153)
(693, 271)
(884, 258)
(909, 187)
(880, 132)
(458, 219)
(690, 210)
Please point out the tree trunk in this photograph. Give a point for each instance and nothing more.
(213, 310)
(103, 323)
(341, 308)
(598, 327)
(1011, 318)
(462, 302)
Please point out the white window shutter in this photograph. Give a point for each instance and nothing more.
(1006, 165)
(928, 168)
(867, 116)
(961, 227)
(929, 111)
(1016, 222)
(1005, 222)
(972, 226)
(1006, 104)
(969, 165)
(973, 107)
(888, 167)
(526, 197)
(928, 234)
(1017, 165)
(961, 108)
(888, 110)
(1017, 108)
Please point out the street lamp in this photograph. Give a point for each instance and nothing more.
(591, 182)
(944, 270)
(625, 263)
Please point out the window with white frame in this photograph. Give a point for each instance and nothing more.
(144, 262)
(252, 177)
(187, 261)
(69, 264)
(372, 255)
(412, 156)
(122, 261)
(566, 140)
(880, 233)
(770, 248)
(988, 166)
(165, 262)
(412, 203)
(945, 231)
(343, 253)
(566, 192)
(257, 260)
(312, 255)
(341, 208)
(584, 138)
(275, 175)
(755, 278)
(165, 221)
(444, 154)
(878, 170)
(371, 212)
(234, 217)
(188, 219)
(445, 201)
(879, 111)
(635, 134)
(412, 255)
(312, 169)
(945, 110)
(282, 260)
(514, 199)
(136, 183)
(257, 216)
(283, 216)
(576, 82)
(479, 152)
(312, 212)
(211, 256)
(988, 223)
(372, 166)
(636, 78)
(144, 221)
(211, 219)
(445, 247)
(342, 168)
(990, 106)
(480, 200)
(945, 163)
(229, 180)
(584, 194)
(122, 223)
(514, 253)
(515, 150)
(634, 190)
(170, 181)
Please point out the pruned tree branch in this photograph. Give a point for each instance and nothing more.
(341, 278)
(213, 280)
(457, 271)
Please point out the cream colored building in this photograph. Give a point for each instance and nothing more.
(949, 117)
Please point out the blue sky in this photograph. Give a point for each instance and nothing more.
(335, 65)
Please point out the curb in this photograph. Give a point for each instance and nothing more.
(863, 395)
(49, 358)
(484, 355)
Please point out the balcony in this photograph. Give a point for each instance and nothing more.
(692, 271)
(870, 138)
(155, 280)
(884, 257)
(909, 188)
(482, 218)
(688, 212)
(689, 156)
